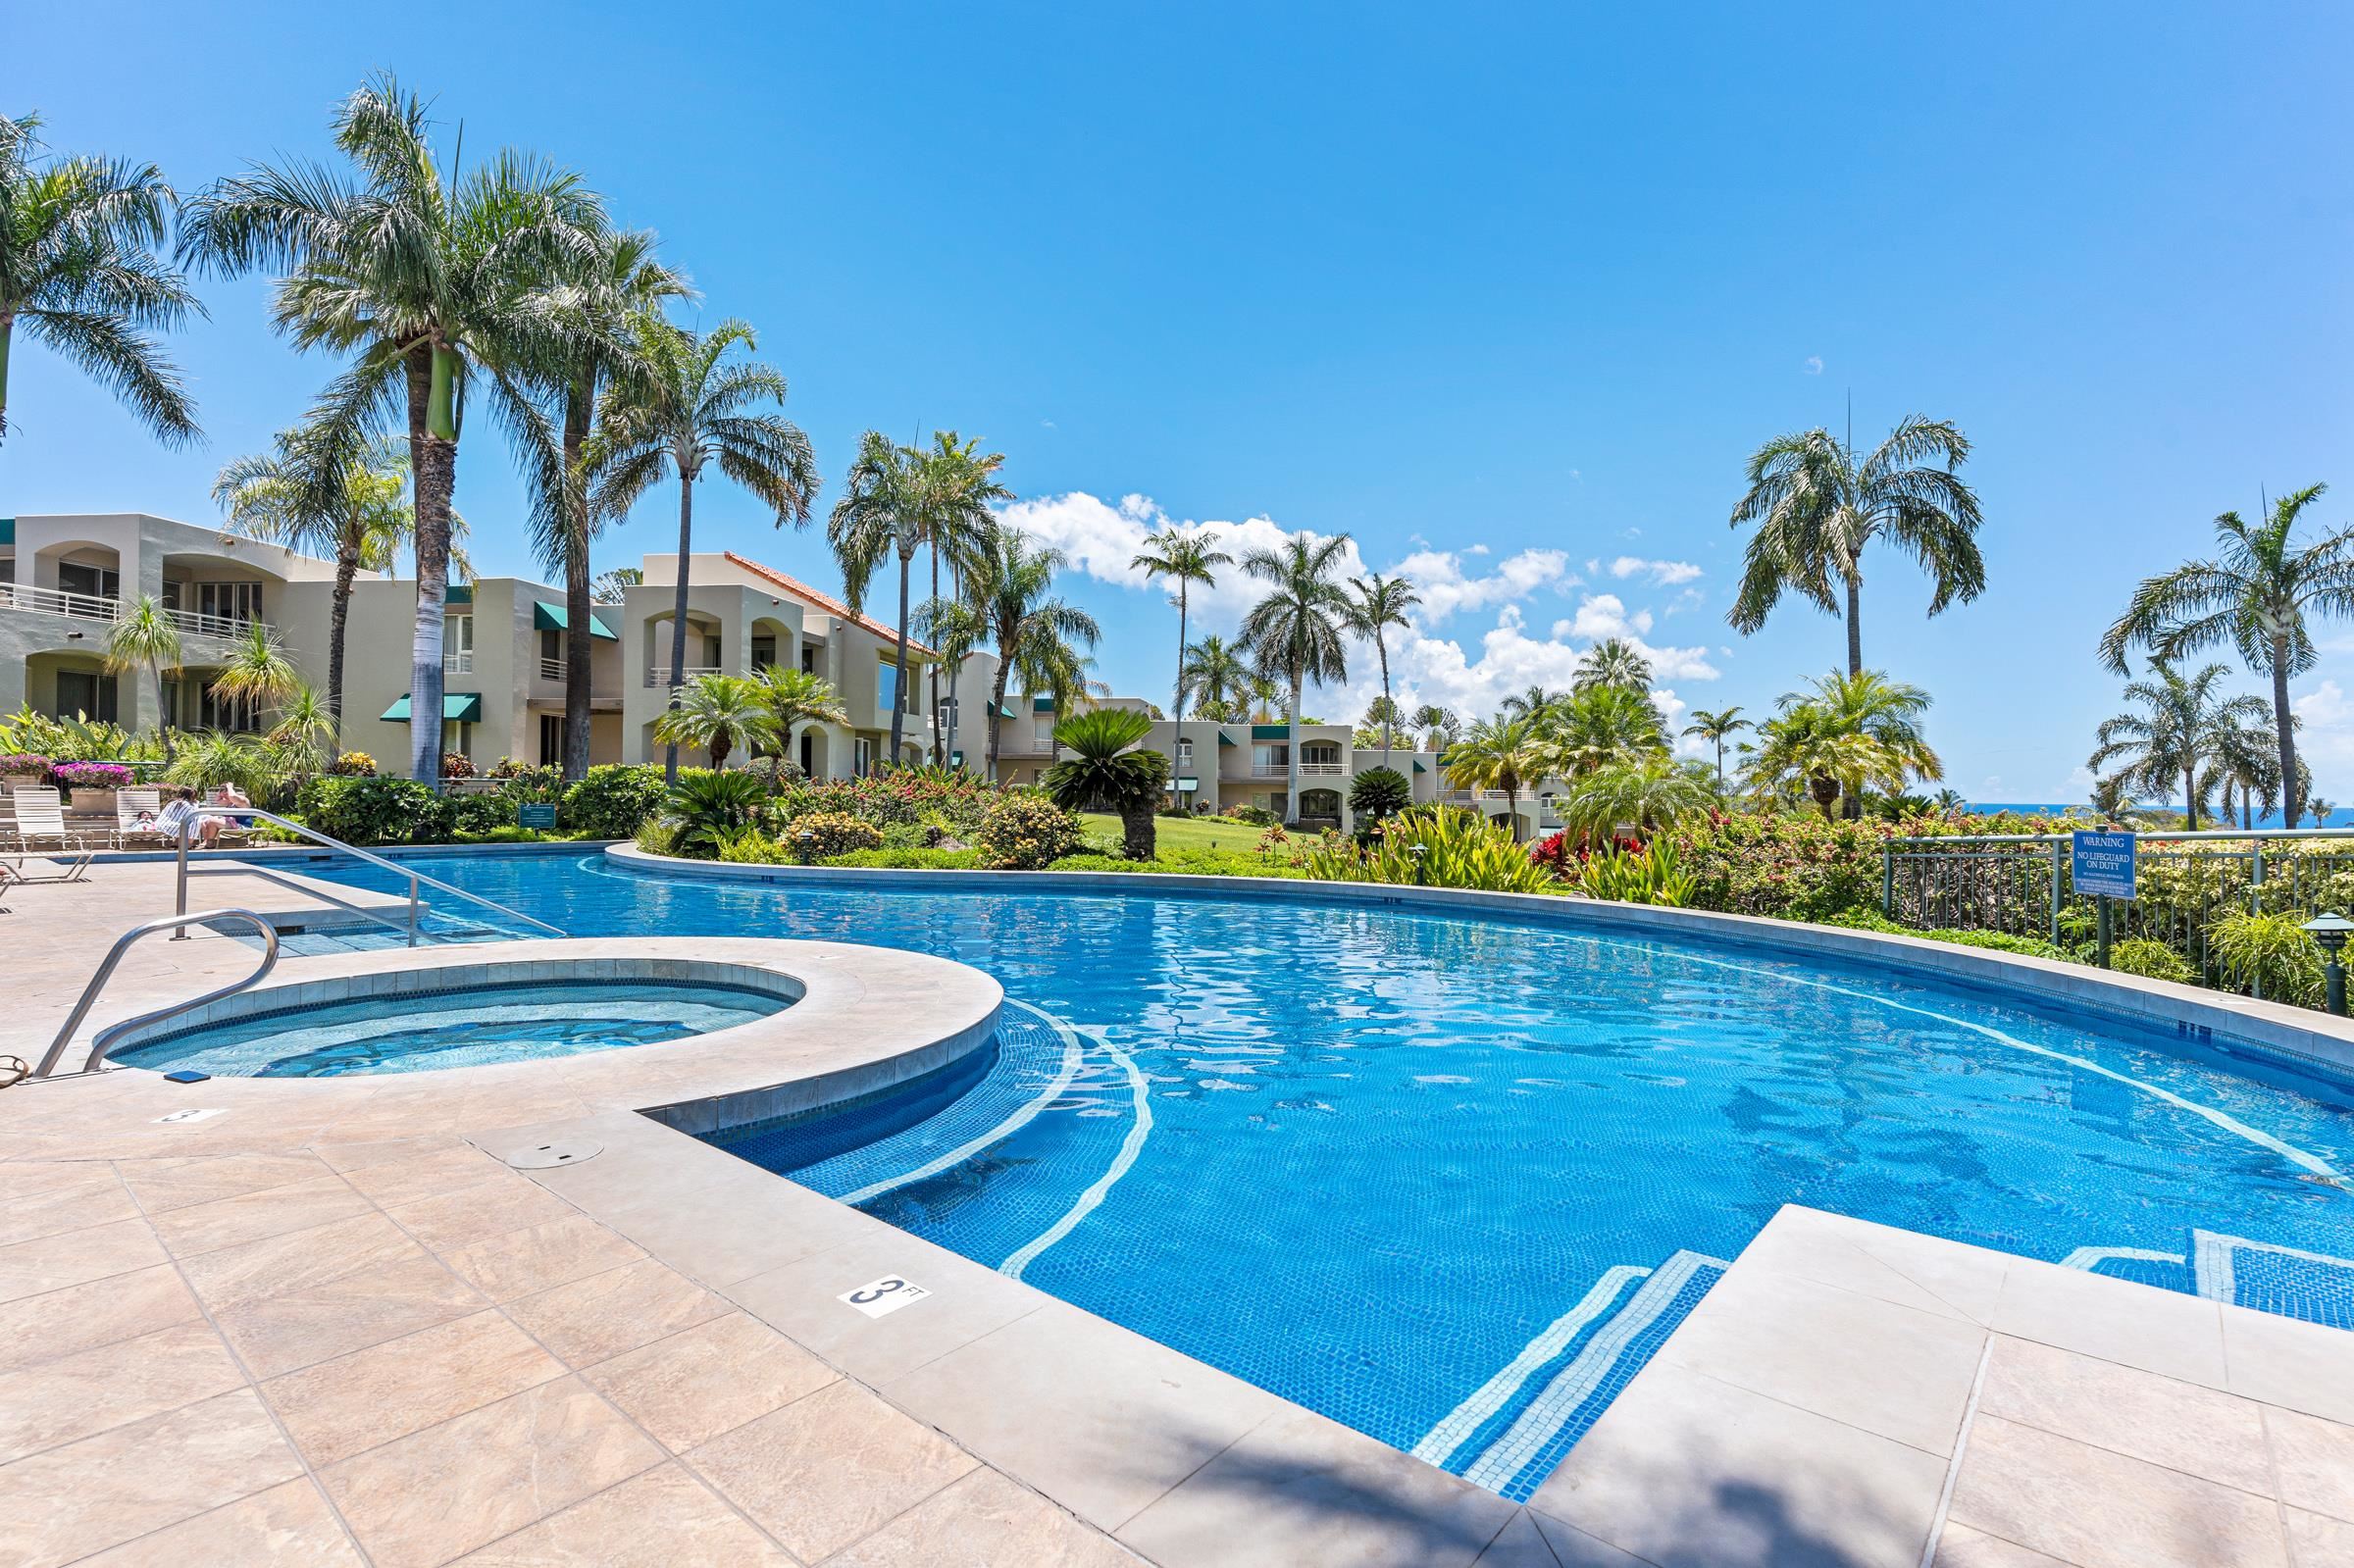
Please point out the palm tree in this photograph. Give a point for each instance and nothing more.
(1849, 733)
(1533, 703)
(311, 492)
(79, 270)
(427, 276)
(585, 340)
(302, 742)
(2180, 737)
(1649, 795)
(690, 406)
(257, 671)
(1611, 662)
(1499, 754)
(796, 698)
(1375, 604)
(1010, 582)
(958, 483)
(144, 637)
(1601, 726)
(1185, 559)
(610, 586)
(1714, 727)
(1264, 692)
(954, 628)
(2246, 766)
(1382, 717)
(1217, 675)
(2255, 595)
(720, 713)
(1103, 769)
(1434, 724)
(1818, 508)
(1295, 631)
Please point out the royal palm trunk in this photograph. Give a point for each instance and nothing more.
(898, 695)
(678, 617)
(339, 615)
(1291, 754)
(577, 649)
(433, 446)
(2292, 803)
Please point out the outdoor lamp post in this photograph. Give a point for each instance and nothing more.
(808, 843)
(1418, 851)
(2330, 932)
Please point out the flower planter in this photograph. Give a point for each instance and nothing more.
(22, 780)
(88, 803)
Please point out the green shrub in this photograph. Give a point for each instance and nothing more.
(1024, 830)
(613, 802)
(822, 834)
(1378, 793)
(911, 859)
(1793, 865)
(752, 847)
(377, 811)
(476, 814)
(1648, 874)
(1459, 850)
(1189, 863)
(1997, 940)
(658, 836)
(711, 808)
(2268, 952)
(1253, 816)
(2151, 960)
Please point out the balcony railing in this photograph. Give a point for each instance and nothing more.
(1307, 769)
(457, 661)
(551, 669)
(660, 677)
(97, 607)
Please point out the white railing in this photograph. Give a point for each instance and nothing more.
(661, 676)
(1307, 769)
(551, 669)
(458, 661)
(97, 607)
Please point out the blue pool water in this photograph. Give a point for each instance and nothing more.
(1449, 1181)
(469, 1028)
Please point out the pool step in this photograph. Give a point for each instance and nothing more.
(2292, 1282)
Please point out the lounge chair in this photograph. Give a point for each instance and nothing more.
(130, 806)
(41, 820)
(232, 829)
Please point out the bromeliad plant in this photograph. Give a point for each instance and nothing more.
(1104, 772)
(1646, 874)
(1459, 849)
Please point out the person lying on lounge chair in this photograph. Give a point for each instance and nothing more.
(183, 806)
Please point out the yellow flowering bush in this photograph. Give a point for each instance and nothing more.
(822, 834)
(1025, 832)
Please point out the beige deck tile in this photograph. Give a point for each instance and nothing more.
(986, 1520)
(452, 1168)
(298, 1259)
(1911, 1270)
(258, 1216)
(540, 1257)
(2136, 1324)
(93, 1196)
(354, 1402)
(2099, 1510)
(2281, 1361)
(79, 1395)
(1964, 1547)
(828, 1470)
(597, 1318)
(349, 1155)
(76, 1257)
(178, 1184)
(2313, 1460)
(2321, 1541)
(289, 1526)
(478, 1213)
(314, 1323)
(662, 1519)
(1303, 1489)
(744, 1223)
(1570, 1548)
(439, 1493)
(39, 1328)
(85, 1496)
(2166, 1421)
(709, 1378)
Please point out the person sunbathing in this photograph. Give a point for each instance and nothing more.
(182, 808)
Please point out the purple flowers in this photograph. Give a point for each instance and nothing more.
(93, 774)
(21, 763)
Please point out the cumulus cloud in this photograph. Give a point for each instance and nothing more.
(1446, 587)
(2325, 736)
(1666, 574)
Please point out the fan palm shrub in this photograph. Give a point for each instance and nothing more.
(1508, 754)
(722, 714)
(1105, 772)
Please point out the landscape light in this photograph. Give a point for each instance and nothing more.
(2330, 932)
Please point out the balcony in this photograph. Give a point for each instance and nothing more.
(551, 669)
(1307, 769)
(660, 677)
(93, 607)
(457, 661)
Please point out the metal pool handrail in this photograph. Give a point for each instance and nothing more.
(114, 957)
(416, 878)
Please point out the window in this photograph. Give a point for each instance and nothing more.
(809, 658)
(888, 688)
(551, 740)
(237, 602)
(8, 569)
(1185, 753)
(864, 756)
(87, 692)
(764, 652)
(457, 645)
(94, 582)
(236, 715)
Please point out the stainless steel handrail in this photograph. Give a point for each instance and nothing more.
(114, 957)
(416, 878)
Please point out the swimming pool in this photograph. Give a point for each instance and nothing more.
(1449, 1179)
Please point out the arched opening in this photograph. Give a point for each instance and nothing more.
(1319, 808)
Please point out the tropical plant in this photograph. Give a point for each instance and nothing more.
(1609, 725)
(1216, 675)
(1104, 772)
(257, 669)
(1010, 582)
(1646, 796)
(1715, 728)
(1437, 727)
(823, 835)
(1611, 662)
(1184, 558)
(1849, 733)
(301, 744)
(796, 698)
(2152, 960)
(954, 628)
(1818, 508)
(80, 273)
(146, 636)
(1457, 850)
(1644, 874)
(1025, 832)
(425, 273)
(613, 800)
(1295, 631)
(377, 811)
(2256, 595)
(214, 758)
(1533, 703)
(610, 586)
(2179, 740)
(1378, 793)
(1264, 694)
(311, 492)
(1374, 604)
(1509, 754)
(721, 712)
(2268, 954)
(711, 808)
(687, 407)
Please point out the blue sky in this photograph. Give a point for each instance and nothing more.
(1505, 293)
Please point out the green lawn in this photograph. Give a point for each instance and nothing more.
(1200, 832)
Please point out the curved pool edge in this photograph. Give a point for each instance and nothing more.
(2309, 1041)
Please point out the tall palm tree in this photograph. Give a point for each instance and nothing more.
(1611, 662)
(2254, 595)
(311, 492)
(80, 273)
(1601, 726)
(1434, 724)
(1818, 506)
(721, 712)
(1533, 703)
(1011, 584)
(1375, 603)
(1217, 675)
(958, 485)
(2248, 769)
(257, 671)
(1715, 728)
(144, 636)
(425, 275)
(1295, 631)
(2180, 737)
(1185, 559)
(1506, 754)
(689, 407)
(1264, 694)
(584, 339)
(954, 628)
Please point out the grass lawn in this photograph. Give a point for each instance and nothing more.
(1200, 832)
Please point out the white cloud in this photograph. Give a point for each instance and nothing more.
(1814, 365)
(1439, 577)
(1666, 574)
(2326, 737)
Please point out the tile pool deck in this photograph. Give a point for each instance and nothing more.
(332, 1325)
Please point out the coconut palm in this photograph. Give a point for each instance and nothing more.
(1106, 772)
(796, 698)
(1264, 692)
(257, 671)
(1601, 726)
(1215, 675)
(2246, 766)
(80, 273)
(1533, 703)
(1434, 724)
(1715, 728)
(1375, 604)
(2177, 739)
(144, 636)
(426, 275)
(1295, 631)
(2255, 595)
(1184, 558)
(689, 406)
(722, 714)
(1611, 662)
(1648, 795)
(1818, 508)
(957, 483)
(1011, 584)
(955, 629)
(610, 586)
(1506, 754)
(311, 492)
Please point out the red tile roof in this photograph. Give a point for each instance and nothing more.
(832, 606)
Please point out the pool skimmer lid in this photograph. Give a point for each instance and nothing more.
(546, 1156)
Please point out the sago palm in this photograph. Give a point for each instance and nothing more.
(1818, 506)
(1506, 754)
(1294, 632)
(1011, 584)
(80, 273)
(1376, 603)
(144, 636)
(1185, 559)
(720, 713)
(1214, 675)
(2255, 595)
(690, 407)
(1611, 662)
(2184, 726)
(1104, 770)
(1715, 728)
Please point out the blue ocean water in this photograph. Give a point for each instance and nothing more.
(1380, 1162)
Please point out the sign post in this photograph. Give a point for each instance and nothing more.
(2103, 864)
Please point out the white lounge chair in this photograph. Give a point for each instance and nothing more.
(231, 828)
(130, 805)
(42, 821)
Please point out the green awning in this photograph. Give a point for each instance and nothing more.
(458, 593)
(1225, 740)
(547, 617)
(1044, 704)
(8, 531)
(1419, 768)
(457, 707)
(1270, 732)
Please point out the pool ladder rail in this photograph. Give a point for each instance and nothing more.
(114, 957)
